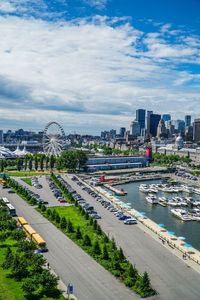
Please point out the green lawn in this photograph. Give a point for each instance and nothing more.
(26, 173)
(27, 180)
(10, 289)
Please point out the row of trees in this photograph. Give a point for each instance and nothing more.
(22, 262)
(20, 190)
(69, 159)
(96, 243)
(169, 159)
(107, 150)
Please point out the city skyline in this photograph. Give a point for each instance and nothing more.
(90, 64)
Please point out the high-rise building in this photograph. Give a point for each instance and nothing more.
(112, 133)
(147, 123)
(1, 136)
(187, 120)
(166, 117)
(140, 117)
(196, 130)
(135, 128)
(161, 130)
(122, 131)
(154, 121)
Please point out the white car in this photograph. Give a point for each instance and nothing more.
(130, 221)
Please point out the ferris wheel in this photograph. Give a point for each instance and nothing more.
(53, 139)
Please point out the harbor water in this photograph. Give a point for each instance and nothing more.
(159, 214)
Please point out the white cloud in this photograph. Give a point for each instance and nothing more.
(99, 4)
(88, 73)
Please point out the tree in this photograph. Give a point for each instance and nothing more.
(78, 233)
(18, 235)
(2, 165)
(113, 245)
(48, 213)
(42, 162)
(43, 208)
(96, 248)
(19, 165)
(86, 241)
(57, 218)
(47, 162)
(95, 224)
(25, 162)
(105, 239)
(36, 163)
(121, 254)
(105, 253)
(53, 215)
(63, 223)
(8, 259)
(70, 228)
(30, 164)
(48, 282)
(145, 282)
(52, 162)
(132, 273)
(81, 158)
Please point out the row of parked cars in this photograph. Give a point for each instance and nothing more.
(35, 195)
(121, 216)
(35, 183)
(56, 191)
(89, 208)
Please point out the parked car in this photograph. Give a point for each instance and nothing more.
(96, 216)
(130, 221)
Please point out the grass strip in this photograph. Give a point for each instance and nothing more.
(27, 180)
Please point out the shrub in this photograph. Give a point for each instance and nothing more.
(96, 248)
(86, 241)
(78, 233)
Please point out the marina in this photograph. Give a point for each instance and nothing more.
(161, 212)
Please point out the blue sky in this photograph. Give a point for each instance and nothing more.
(90, 64)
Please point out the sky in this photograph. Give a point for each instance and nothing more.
(89, 64)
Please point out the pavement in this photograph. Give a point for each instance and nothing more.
(170, 276)
(89, 279)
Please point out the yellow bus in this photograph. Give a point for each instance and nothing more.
(22, 221)
(28, 230)
(39, 241)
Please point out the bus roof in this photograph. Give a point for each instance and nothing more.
(29, 229)
(38, 239)
(22, 221)
(10, 206)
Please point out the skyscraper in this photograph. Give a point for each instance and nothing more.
(147, 124)
(196, 130)
(122, 131)
(166, 117)
(140, 117)
(1, 136)
(187, 120)
(154, 121)
(135, 128)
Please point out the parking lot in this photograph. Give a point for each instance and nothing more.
(166, 271)
(45, 193)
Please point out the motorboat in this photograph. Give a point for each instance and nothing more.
(181, 214)
(152, 199)
(121, 192)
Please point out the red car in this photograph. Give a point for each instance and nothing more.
(62, 201)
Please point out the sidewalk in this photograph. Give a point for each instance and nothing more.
(61, 286)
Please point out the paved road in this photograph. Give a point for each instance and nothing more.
(169, 275)
(90, 280)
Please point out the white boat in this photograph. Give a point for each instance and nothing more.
(143, 188)
(181, 214)
(152, 199)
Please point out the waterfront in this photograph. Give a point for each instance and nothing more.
(159, 214)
